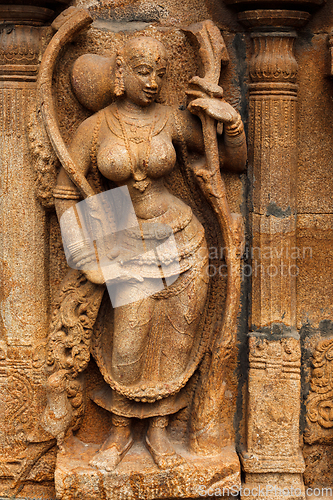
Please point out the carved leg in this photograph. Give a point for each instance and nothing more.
(159, 445)
(116, 446)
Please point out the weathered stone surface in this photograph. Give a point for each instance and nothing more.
(282, 85)
(162, 388)
(272, 455)
(137, 477)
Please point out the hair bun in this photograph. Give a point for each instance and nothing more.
(93, 80)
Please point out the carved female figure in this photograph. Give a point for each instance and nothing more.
(156, 343)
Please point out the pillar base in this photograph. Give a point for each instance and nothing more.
(273, 486)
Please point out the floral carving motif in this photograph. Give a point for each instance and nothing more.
(68, 349)
(274, 388)
(45, 160)
(320, 399)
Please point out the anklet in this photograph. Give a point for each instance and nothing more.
(118, 421)
(160, 422)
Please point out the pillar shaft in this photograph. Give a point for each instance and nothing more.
(273, 162)
(23, 304)
(24, 295)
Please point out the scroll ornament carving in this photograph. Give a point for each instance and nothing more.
(319, 404)
(45, 160)
(330, 45)
(17, 397)
(68, 350)
(22, 445)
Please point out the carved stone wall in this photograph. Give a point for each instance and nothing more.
(314, 239)
(34, 262)
(277, 402)
(24, 298)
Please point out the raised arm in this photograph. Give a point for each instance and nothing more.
(232, 141)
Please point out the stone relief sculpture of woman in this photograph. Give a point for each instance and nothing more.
(150, 352)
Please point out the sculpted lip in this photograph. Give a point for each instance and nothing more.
(150, 93)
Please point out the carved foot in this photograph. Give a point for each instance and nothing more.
(159, 445)
(115, 447)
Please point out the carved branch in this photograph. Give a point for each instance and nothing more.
(205, 436)
(68, 24)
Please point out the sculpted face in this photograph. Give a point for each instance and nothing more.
(144, 63)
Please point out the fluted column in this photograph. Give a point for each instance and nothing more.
(24, 295)
(271, 457)
(273, 164)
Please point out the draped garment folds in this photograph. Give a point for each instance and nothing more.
(149, 354)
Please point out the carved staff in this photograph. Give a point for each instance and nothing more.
(67, 25)
(206, 428)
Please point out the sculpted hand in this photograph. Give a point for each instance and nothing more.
(215, 108)
(114, 273)
(95, 276)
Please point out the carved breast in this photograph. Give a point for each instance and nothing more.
(117, 162)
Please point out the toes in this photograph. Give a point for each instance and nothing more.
(176, 460)
(169, 462)
(108, 463)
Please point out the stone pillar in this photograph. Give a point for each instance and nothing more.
(272, 458)
(24, 295)
(23, 304)
(273, 164)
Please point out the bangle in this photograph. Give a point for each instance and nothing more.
(235, 129)
(81, 253)
(66, 193)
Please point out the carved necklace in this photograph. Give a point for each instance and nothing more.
(139, 175)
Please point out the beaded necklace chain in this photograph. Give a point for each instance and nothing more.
(140, 176)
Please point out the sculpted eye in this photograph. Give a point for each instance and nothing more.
(143, 70)
(161, 73)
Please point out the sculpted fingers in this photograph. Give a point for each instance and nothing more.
(215, 108)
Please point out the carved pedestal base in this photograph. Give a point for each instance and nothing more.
(137, 477)
(273, 460)
(274, 486)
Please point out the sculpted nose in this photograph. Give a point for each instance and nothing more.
(152, 82)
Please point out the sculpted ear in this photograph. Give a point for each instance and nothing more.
(119, 87)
